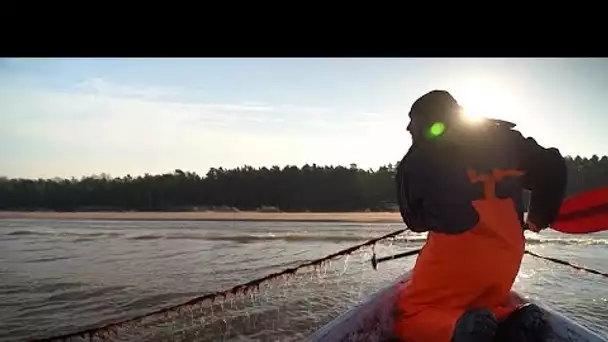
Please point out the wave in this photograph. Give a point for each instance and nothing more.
(146, 237)
(62, 233)
(278, 236)
(27, 232)
(47, 259)
(53, 287)
(558, 241)
(246, 238)
(294, 237)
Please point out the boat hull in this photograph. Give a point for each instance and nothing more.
(372, 320)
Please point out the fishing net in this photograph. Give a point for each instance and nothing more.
(284, 307)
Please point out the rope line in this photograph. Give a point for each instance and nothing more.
(375, 261)
(562, 262)
(242, 288)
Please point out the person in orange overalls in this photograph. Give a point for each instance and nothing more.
(462, 182)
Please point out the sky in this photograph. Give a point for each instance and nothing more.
(81, 117)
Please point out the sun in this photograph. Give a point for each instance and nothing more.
(486, 98)
(472, 116)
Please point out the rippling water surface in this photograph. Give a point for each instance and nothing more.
(61, 276)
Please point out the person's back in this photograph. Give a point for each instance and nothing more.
(463, 184)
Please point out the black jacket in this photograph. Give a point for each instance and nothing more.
(434, 192)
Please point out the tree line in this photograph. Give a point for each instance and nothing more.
(290, 188)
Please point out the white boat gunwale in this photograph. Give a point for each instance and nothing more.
(372, 320)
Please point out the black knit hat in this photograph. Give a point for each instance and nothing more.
(436, 103)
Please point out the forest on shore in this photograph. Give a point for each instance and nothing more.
(291, 189)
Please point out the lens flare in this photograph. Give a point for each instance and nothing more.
(436, 129)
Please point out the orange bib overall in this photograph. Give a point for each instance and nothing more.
(458, 272)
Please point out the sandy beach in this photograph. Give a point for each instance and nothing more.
(370, 217)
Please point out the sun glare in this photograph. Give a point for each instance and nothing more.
(472, 116)
(486, 98)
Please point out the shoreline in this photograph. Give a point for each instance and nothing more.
(251, 216)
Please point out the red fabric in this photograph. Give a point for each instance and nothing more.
(584, 213)
(584, 201)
